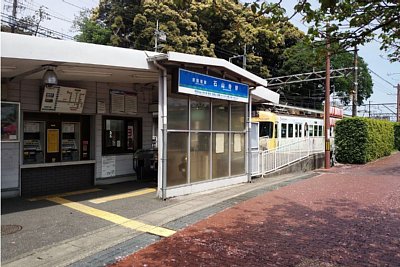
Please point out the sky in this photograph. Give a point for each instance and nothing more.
(63, 12)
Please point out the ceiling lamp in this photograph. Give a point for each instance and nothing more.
(50, 77)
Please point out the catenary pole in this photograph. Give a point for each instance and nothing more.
(355, 92)
(327, 104)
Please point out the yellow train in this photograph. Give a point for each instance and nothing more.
(280, 129)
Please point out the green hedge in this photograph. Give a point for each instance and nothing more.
(397, 136)
(360, 140)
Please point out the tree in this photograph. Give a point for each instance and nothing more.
(351, 22)
(92, 31)
(212, 27)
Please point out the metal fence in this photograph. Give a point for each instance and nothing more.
(266, 161)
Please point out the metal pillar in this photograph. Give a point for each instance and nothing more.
(162, 129)
(327, 105)
(355, 91)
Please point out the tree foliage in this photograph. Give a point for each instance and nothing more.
(351, 22)
(212, 27)
(217, 28)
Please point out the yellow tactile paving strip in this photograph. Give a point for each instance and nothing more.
(114, 218)
(66, 194)
(122, 196)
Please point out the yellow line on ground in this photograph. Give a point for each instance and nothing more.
(66, 194)
(121, 196)
(114, 218)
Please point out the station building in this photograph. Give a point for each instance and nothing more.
(74, 114)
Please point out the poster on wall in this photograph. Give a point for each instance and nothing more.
(52, 141)
(63, 99)
(219, 143)
(101, 106)
(123, 102)
(9, 121)
(237, 142)
(108, 166)
(130, 137)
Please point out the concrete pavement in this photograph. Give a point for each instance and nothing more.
(95, 228)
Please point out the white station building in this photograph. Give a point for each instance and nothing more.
(74, 115)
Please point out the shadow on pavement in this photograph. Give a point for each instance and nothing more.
(18, 204)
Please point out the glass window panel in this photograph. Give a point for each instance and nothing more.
(220, 155)
(178, 113)
(300, 130)
(238, 113)
(177, 159)
(283, 130)
(266, 129)
(315, 130)
(290, 131)
(311, 130)
(320, 130)
(114, 134)
(200, 114)
(199, 157)
(238, 154)
(220, 115)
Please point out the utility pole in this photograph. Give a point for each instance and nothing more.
(355, 92)
(327, 104)
(14, 15)
(244, 57)
(369, 109)
(156, 38)
(398, 102)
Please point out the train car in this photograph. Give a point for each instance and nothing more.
(287, 125)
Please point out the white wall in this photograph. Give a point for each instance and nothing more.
(27, 92)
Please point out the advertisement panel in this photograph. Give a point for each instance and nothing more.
(208, 86)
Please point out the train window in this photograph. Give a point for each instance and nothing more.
(320, 130)
(299, 130)
(290, 131)
(283, 130)
(275, 130)
(266, 129)
(315, 130)
(311, 131)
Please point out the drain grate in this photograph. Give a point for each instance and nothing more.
(9, 229)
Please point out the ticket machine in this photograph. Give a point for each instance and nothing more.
(33, 142)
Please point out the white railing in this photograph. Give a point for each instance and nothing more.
(266, 161)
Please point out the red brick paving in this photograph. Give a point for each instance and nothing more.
(349, 216)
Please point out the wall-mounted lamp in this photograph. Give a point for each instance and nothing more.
(50, 77)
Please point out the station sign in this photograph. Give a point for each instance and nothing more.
(198, 84)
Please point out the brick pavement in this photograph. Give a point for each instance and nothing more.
(348, 216)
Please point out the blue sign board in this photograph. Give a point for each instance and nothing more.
(204, 85)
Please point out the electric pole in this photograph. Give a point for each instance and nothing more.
(355, 92)
(327, 104)
(14, 15)
(244, 57)
(398, 102)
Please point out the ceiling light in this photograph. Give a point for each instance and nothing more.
(50, 77)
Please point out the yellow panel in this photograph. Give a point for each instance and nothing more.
(122, 196)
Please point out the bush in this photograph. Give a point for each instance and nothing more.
(360, 140)
(397, 136)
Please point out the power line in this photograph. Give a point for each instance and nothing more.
(383, 79)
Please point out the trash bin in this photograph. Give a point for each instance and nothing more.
(145, 164)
